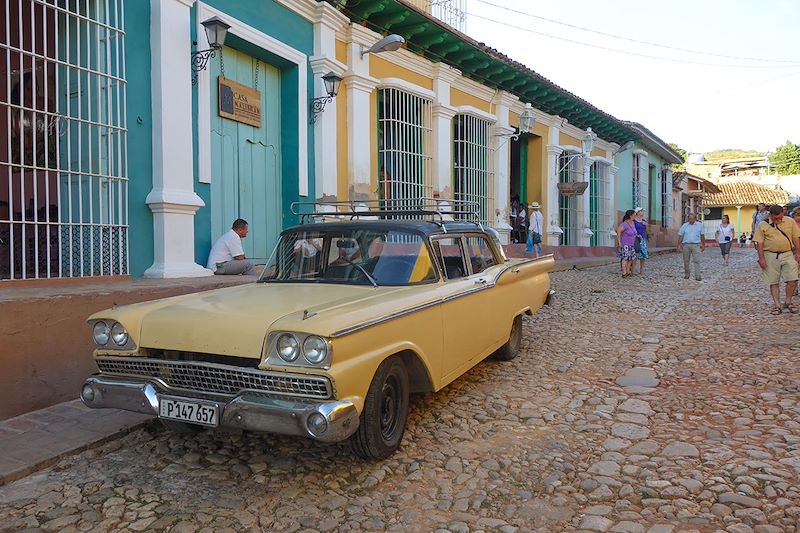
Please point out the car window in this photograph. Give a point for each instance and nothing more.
(452, 257)
(355, 256)
(479, 253)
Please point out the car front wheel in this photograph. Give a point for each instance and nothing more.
(509, 350)
(383, 419)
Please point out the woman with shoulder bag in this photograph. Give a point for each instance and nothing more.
(626, 241)
(725, 233)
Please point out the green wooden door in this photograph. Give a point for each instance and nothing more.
(245, 160)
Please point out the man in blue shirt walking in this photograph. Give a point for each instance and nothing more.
(691, 244)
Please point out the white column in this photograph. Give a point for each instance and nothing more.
(612, 184)
(172, 199)
(327, 21)
(359, 86)
(443, 113)
(584, 205)
(503, 103)
(550, 188)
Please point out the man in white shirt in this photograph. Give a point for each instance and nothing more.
(227, 255)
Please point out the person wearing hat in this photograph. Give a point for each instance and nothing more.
(641, 238)
(535, 230)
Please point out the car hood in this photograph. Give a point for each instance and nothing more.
(234, 321)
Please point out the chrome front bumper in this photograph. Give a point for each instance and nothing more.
(550, 295)
(250, 411)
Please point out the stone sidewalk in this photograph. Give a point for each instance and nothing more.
(39, 439)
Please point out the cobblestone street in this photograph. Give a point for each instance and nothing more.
(703, 435)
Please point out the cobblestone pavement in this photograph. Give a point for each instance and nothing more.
(547, 442)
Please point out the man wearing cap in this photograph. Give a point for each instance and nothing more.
(535, 230)
(691, 244)
(778, 242)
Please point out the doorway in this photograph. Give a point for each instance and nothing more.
(245, 159)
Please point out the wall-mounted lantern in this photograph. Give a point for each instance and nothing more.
(527, 120)
(216, 31)
(332, 82)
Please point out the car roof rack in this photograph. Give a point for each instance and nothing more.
(436, 210)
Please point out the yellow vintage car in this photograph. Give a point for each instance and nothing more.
(348, 319)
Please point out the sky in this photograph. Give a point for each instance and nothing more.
(701, 101)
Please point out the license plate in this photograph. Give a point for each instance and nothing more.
(196, 412)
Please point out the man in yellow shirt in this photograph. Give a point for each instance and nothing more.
(778, 253)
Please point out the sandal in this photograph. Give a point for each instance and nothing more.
(792, 308)
(775, 311)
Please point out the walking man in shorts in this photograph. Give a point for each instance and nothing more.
(778, 243)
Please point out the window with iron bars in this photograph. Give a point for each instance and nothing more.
(640, 184)
(666, 199)
(472, 164)
(600, 216)
(63, 166)
(568, 205)
(404, 149)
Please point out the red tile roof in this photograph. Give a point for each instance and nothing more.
(745, 193)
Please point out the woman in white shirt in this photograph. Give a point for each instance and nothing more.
(725, 233)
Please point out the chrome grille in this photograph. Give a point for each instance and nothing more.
(215, 378)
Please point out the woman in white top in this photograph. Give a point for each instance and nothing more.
(725, 233)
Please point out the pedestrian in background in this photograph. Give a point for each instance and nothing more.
(778, 243)
(742, 240)
(761, 215)
(626, 243)
(535, 230)
(725, 233)
(691, 244)
(641, 237)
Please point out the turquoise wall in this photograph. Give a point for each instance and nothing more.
(624, 185)
(140, 135)
(277, 22)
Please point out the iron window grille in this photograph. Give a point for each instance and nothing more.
(473, 174)
(568, 205)
(640, 185)
(666, 199)
(404, 149)
(601, 220)
(63, 164)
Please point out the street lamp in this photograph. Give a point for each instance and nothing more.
(527, 120)
(390, 43)
(332, 82)
(587, 145)
(216, 31)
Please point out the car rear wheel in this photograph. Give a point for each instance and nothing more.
(509, 350)
(383, 419)
(181, 427)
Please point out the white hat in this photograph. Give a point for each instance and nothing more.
(535, 205)
(638, 209)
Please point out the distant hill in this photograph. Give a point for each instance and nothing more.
(730, 153)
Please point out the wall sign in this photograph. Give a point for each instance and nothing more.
(239, 102)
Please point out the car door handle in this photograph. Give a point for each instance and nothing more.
(515, 270)
(480, 281)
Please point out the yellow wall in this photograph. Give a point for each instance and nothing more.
(597, 152)
(746, 218)
(537, 168)
(341, 51)
(459, 98)
(380, 68)
(565, 139)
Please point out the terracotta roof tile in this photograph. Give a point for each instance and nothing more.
(745, 193)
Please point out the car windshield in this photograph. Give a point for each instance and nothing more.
(351, 256)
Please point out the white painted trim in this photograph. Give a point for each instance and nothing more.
(603, 160)
(474, 88)
(639, 151)
(403, 85)
(269, 44)
(569, 148)
(474, 111)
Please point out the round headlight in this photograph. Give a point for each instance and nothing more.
(288, 347)
(315, 349)
(101, 333)
(119, 334)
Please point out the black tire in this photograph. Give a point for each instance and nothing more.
(181, 427)
(383, 419)
(510, 350)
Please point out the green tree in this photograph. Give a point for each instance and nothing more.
(785, 160)
(683, 153)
